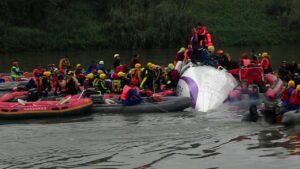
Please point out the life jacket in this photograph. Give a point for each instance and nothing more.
(265, 63)
(135, 74)
(120, 68)
(295, 97)
(285, 96)
(125, 92)
(174, 75)
(205, 40)
(14, 74)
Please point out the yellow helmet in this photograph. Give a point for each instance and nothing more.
(265, 54)
(70, 72)
(47, 73)
(171, 66)
(102, 76)
(152, 66)
(121, 74)
(149, 64)
(181, 50)
(211, 49)
(100, 72)
(78, 65)
(90, 76)
(291, 83)
(298, 88)
(137, 65)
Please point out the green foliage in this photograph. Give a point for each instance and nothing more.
(78, 24)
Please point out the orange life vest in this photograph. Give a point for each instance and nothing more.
(265, 63)
(125, 92)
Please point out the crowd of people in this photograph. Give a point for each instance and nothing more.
(127, 81)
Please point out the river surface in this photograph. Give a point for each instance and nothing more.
(182, 140)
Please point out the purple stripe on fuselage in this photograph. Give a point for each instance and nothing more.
(193, 89)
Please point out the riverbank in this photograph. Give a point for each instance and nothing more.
(141, 24)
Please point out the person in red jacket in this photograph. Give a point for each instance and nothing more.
(130, 94)
(173, 76)
(295, 98)
(265, 63)
(286, 94)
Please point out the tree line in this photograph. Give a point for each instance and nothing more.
(27, 25)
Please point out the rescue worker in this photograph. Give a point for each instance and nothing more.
(286, 94)
(265, 63)
(201, 40)
(80, 74)
(100, 66)
(295, 98)
(117, 60)
(101, 84)
(179, 55)
(135, 73)
(173, 76)
(148, 76)
(35, 80)
(284, 73)
(91, 68)
(72, 85)
(88, 83)
(118, 82)
(123, 79)
(60, 87)
(130, 94)
(15, 71)
(46, 83)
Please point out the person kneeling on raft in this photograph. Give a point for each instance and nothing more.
(130, 94)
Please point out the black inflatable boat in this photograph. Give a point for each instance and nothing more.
(167, 104)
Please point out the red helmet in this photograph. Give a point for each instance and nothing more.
(14, 63)
(219, 52)
(244, 55)
(35, 72)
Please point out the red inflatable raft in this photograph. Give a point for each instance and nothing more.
(251, 75)
(69, 105)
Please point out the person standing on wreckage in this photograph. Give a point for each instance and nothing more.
(201, 40)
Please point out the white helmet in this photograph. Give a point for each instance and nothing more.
(116, 55)
(101, 62)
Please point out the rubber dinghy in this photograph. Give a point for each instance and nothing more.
(70, 105)
(207, 86)
(167, 104)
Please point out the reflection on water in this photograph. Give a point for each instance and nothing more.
(278, 138)
(192, 140)
(160, 56)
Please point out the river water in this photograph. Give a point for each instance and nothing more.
(182, 140)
